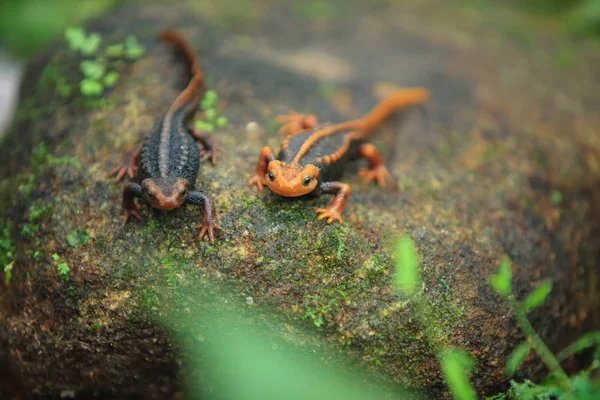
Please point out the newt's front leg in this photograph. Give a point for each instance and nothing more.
(208, 142)
(128, 165)
(266, 156)
(334, 210)
(209, 217)
(128, 206)
(376, 170)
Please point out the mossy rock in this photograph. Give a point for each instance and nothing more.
(478, 177)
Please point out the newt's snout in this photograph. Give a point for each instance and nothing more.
(291, 180)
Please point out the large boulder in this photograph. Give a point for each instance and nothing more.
(499, 165)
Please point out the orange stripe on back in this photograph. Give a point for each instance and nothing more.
(320, 134)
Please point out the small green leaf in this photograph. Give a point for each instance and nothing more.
(115, 50)
(205, 126)
(584, 387)
(111, 79)
(63, 271)
(8, 272)
(209, 100)
(502, 280)
(516, 358)
(75, 37)
(91, 44)
(455, 366)
(64, 90)
(555, 197)
(84, 237)
(73, 238)
(92, 69)
(77, 238)
(130, 40)
(89, 87)
(584, 342)
(211, 95)
(221, 122)
(133, 49)
(55, 257)
(210, 114)
(406, 277)
(538, 296)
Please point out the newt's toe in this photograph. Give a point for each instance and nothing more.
(208, 229)
(257, 180)
(329, 214)
(129, 212)
(124, 169)
(379, 174)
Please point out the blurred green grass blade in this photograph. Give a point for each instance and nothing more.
(240, 359)
(455, 366)
(406, 276)
(502, 280)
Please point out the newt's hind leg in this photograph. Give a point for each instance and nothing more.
(376, 170)
(128, 165)
(334, 210)
(294, 123)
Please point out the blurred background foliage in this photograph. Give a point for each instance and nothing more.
(26, 26)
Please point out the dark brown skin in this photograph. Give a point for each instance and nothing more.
(313, 157)
(168, 160)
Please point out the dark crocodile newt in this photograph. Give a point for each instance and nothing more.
(167, 161)
(313, 157)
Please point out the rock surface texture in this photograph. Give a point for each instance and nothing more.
(505, 162)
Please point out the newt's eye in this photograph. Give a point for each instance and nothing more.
(306, 181)
(183, 192)
(150, 194)
(271, 175)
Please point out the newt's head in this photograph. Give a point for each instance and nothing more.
(291, 180)
(165, 193)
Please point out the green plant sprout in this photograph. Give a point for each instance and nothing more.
(557, 385)
(502, 284)
(62, 267)
(213, 120)
(98, 73)
(6, 252)
(457, 364)
(78, 41)
(133, 50)
(78, 238)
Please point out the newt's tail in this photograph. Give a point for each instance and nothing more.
(194, 90)
(401, 99)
